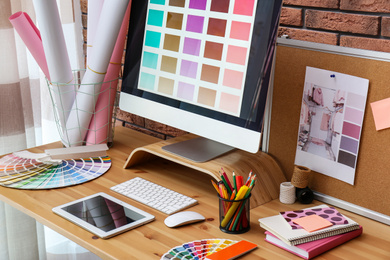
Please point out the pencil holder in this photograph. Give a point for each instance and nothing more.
(234, 215)
(77, 125)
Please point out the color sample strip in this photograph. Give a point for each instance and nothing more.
(197, 48)
(352, 126)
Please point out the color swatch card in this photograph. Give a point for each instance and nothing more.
(197, 51)
(331, 121)
(198, 249)
(37, 173)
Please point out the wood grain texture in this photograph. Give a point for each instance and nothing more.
(151, 241)
(269, 174)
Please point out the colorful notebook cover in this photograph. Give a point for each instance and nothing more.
(328, 213)
(279, 227)
(312, 249)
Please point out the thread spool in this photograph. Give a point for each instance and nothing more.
(300, 177)
(305, 195)
(287, 193)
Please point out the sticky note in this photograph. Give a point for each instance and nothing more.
(380, 110)
(312, 223)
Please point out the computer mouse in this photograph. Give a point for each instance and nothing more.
(183, 218)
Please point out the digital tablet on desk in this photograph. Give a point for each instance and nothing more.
(103, 215)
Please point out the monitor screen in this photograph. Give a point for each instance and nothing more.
(202, 66)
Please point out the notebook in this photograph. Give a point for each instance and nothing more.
(314, 248)
(278, 226)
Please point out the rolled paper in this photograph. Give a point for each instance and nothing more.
(100, 126)
(107, 30)
(287, 193)
(94, 10)
(53, 41)
(31, 37)
(300, 177)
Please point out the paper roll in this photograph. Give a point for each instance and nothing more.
(287, 193)
(94, 10)
(300, 177)
(107, 32)
(57, 58)
(100, 126)
(31, 37)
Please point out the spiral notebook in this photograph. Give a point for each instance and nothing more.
(278, 226)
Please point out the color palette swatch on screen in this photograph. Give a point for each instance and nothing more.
(197, 51)
(26, 173)
(352, 127)
(198, 249)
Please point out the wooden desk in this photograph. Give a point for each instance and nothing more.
(153, 240)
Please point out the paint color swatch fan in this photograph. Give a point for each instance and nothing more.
(198, 249)
(26, 170)
(210, 249)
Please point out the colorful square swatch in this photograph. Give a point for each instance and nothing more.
(197, 51)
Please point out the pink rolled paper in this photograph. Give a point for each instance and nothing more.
(100, 124)
(31, 37)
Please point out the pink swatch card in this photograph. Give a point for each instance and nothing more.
(328, 213)
(312, 223)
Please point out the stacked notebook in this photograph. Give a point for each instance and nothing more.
(309, 232)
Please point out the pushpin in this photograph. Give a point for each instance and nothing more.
(332, 76)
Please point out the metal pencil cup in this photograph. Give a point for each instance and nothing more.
(101, 118)
(234, 215)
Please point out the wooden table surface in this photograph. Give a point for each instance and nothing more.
(151, 241)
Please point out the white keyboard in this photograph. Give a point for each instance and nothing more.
(154, 195)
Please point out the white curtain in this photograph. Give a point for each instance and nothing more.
(26, 114)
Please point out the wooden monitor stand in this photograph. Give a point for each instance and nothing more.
(269, 174)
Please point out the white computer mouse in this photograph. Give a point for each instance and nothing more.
(183, 218)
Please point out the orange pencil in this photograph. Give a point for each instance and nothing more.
(215, 186)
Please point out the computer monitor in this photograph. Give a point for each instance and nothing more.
(202, 66)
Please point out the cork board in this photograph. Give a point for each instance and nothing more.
(372, 181)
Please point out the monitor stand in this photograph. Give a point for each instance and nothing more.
(199, 149)
(268, 171)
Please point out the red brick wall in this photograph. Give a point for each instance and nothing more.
(363, 24)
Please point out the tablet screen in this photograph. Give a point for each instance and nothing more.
(103, 215)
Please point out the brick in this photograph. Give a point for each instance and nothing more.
(84, 6)
(365, 43)
(308, 35)
(145, 131)
(84, 20)
(385, 28)
(332, 4)
(291, 16)
(130, 118)
(164, 129)
(375, 6)
(343, 22)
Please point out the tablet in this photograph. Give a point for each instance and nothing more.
(103, 215)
